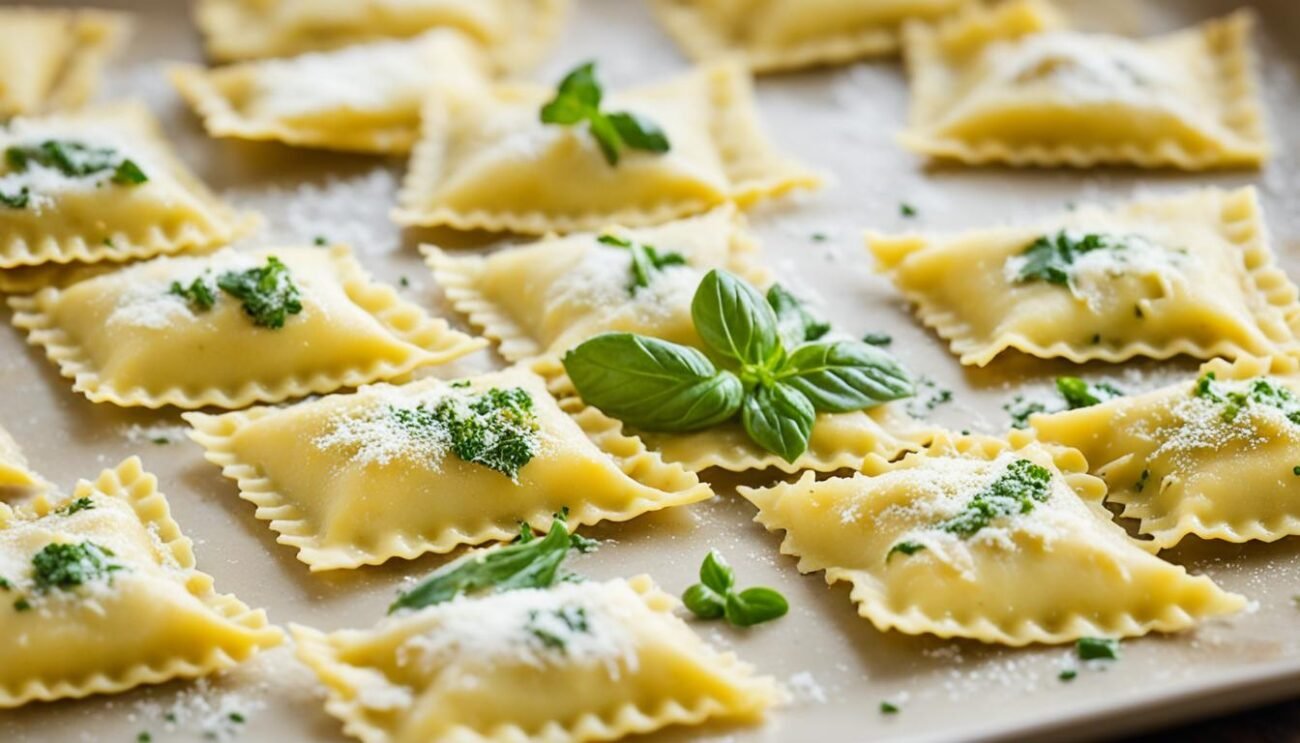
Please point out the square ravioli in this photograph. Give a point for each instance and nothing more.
(363, 98)
(472, 669)
(400, 471)
(102, 185)
(52, 59)
(100, 594)
(1188, 274)
(999, 541)
(1009, 84)
(549, 296)
(1214, 456)
(514, 32)
(488, 161)
(233, 328)
(775, 35)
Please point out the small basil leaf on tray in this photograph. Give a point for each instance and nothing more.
(755, 606)
(714, 596)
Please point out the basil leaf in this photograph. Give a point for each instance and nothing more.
(638, 132)
(795, 323)
(734, 320)
(652, 384)
(841, 376)
(1097, 648)
(780, 419)
(715, 573)
(704, 602)
(577, 97)
(755, 606)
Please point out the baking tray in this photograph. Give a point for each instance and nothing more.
(838, 667)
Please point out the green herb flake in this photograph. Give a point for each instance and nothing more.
(1296, 470)
(17, 200)
(1021, 409)
(144, 737)
(1018, 490)
(81, 504)
(497, 429)
(320, 241)
(160, 440)
(577, 100)
(268, 293)
(1068, 674)
(647, 261)
(819, 237)
(553, 628)
(65, 566)
(404, 282)
(878, 339)
(1097, 648)
(72, 159)
(906, 210)
(888, 708)
(715, 596)
(237, 718)
(905, 547)
(1079, 393)
(199, 293)
(22, 605)
(1050, 258)
(1259, 391)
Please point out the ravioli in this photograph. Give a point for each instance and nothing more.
(364, 98)
(383, 473)
(1011, 85)
(776, 35)
(488, 162)
(101, 595)
(1002, 542)
(1188, 274)
(143, 337)
(102, 185)
(1213, 456)
(14, 472)
(476, 669)
(515, 32)
(52, 59)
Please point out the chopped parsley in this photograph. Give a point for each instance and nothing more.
(497, 429)
(578, 99)
(1068, 674)
(1296, 470)
(1097, 648)
(877, 339)
(144, 737)
(906, 210)
(1021, 408)
(236, 717)
(22, 605)
(75, 160)
(268, 293)
(1260, 391)
(403, 282)
(1050, 257)
(199, 293)
(552, 628)
(320, 241)
(1079, 393)
(66, 566)
(647, 262)
(80, 504)
(819, 237)
(905, 547)
(17, 200)
(888, 708)
(930, 396)
(5, 585)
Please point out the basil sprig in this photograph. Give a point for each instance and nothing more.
(647, 261)
(578, 99)
(775, 373)
(715, 596)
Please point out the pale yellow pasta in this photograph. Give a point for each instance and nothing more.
(152, 618)
(553, 294)
(514, 32)
(1053, 570)
(488, 162)
(364, 98)
(51, 59)
(14, 472)
(49, 216)
(1186, 274)
(1010, 84)
(364, 486)
(1187, 461)
(472, 670)
(774, 35)
(130, 338)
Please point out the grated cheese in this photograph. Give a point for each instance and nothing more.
(601, 279)
(362, 78)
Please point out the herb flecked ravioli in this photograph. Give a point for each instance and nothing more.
(51, 59)
(575, 662)
(775, 35)
(1186, 274)
(1214, 456)
(1009, 84)
(514, 32)
(100, 594)
(399, 471)
(102, 185)
(233, 328)
(489, 162)
(363, 99)
(998, 541)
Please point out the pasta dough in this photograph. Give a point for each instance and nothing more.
(376, 476)
(14, 472)
(101, 595)
(985, 539)
(1010, 85)
(134, 338)
(1188, 274)
(471, 669)
(52, 59)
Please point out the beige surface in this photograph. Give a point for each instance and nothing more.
(841, 121)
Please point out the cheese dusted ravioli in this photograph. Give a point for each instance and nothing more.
(51, 59)
(997, 541)
(233, 328)
(550, 295)
(1010, 84)
(772, 35)
(1188, 274)
(574, 662)
(515, 32)
(1215, 456)
(490, 162)
(99, 594)
(398, 471)
(101, 185)
(364, 98)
